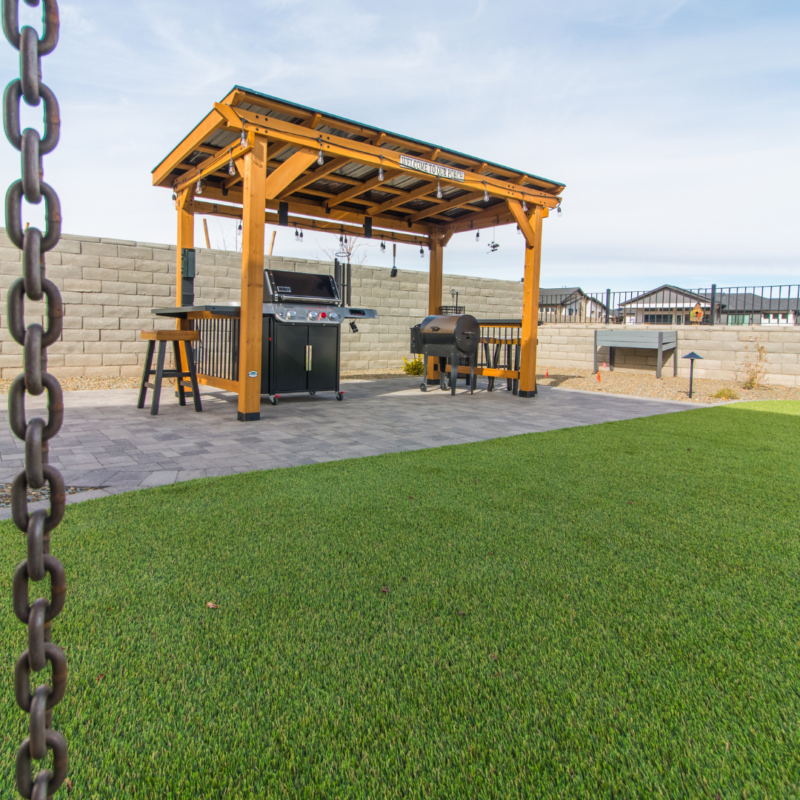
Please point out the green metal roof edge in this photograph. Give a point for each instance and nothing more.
(379, 130)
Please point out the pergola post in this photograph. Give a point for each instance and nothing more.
(435, 283)
(254, 173)
(185, 206)
(530, 307)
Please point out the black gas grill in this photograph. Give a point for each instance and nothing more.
(301, 334)
(449, 338)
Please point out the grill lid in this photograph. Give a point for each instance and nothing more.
(281, 286)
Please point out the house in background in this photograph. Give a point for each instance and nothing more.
(671, 305)
(569, 304)
(667, 305)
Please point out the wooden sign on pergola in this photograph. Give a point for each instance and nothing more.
(265, 160)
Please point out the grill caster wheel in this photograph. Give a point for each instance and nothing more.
(273, 400)
(423, 387)
(312, 393)
(340, 395)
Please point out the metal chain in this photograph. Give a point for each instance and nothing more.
(36, 433)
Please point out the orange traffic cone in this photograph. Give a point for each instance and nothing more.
(547, 373)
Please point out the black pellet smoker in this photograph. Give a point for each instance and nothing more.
(448, 338)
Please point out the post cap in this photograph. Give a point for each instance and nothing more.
(693, 356)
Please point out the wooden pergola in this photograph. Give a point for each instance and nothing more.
(264, 160)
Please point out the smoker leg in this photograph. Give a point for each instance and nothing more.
(442, 373)
(453, 372)
(472, 378)
(424, 385)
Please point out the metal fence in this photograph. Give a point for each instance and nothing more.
(672, 305)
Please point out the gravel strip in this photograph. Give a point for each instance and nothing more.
(37, 494)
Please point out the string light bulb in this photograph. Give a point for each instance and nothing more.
(421, 252)
(231, 167)
(383, 246)
(558, 208)
(301, 237)
(478, 236)
(439, 188)
(174, 197)
(524, 206)
(485, 193)
(199, 187)
(380, 171)
(321, 157)
(243, 140)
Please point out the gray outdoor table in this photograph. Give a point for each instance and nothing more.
(639, 340)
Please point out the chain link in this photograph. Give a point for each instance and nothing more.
(35, 380)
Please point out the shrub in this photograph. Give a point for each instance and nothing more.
(755, 367)
(726, 394)
(413, 367)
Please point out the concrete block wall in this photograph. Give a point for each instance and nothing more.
(109, 287)
(726, 350)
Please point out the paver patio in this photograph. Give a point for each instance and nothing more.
(107, 442)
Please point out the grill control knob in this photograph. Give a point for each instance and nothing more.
(312, 314)
(291, 314)
(333, 315)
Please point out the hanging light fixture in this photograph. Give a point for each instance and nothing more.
(199, 187)
(478, 236)
(558, 208)
(485, 193)
(301, 237)
(231, 165)
(380, 171)
(421, 252)
(243, 139)
(174, 197)
(518, 230)
(320, 157)
(524, 205)
(383, 246)
(439, 188)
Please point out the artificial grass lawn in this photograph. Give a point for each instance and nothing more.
(606, 611)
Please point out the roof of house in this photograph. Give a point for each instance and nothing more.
(665, 288)
(557, 297)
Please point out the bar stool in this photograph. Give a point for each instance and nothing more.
(162, 337)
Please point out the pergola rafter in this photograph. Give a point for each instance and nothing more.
(345, 194)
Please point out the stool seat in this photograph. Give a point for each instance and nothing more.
(171, 336)
(162, 337)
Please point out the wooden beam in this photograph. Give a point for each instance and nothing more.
(278, 180)
(529, 330)
(317, 174)
(205, 229)
(368, 154)
(457, 203)
(306, 224)
(255, 171)
(213, 122)
(365, 187)
(211, 165)
(522, 221)
(403, 198)
(310, 209)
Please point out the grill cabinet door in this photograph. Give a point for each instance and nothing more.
(324, 373)
(290, 358)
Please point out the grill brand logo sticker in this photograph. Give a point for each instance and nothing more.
(432, 169)
(253, 374)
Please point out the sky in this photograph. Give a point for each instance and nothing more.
(675, 124)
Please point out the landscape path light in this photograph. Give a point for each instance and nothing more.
(692, 357)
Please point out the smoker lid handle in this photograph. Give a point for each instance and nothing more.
(435, 328)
